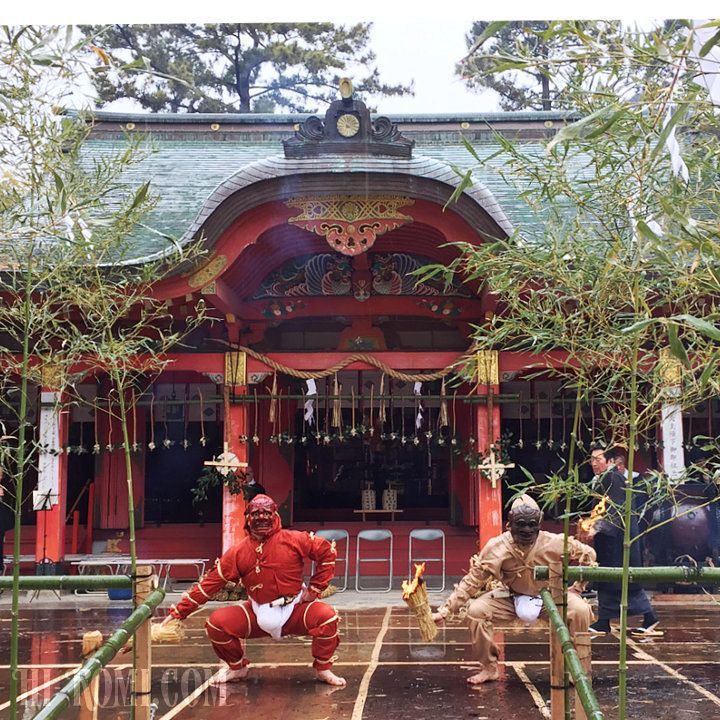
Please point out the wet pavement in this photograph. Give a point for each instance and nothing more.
(391, 673)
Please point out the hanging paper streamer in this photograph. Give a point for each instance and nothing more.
(309, 416)
(203, 439)
(709, 62)
(679, 167)
(417, 390)
(372, 407)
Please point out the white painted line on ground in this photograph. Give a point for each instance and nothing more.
(365, 682)
(37, 689)
(191, 697)
(530, 687)
(639, 650)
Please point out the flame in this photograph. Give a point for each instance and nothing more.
(410, 587)
(596, 513)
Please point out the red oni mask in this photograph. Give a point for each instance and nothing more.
(261, 518)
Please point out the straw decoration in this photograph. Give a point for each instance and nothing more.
(416, 597)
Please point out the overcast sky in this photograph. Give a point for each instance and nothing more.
(420, 41)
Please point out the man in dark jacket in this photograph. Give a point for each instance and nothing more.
(607, 535)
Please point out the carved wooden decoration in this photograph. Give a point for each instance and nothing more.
(350, 224)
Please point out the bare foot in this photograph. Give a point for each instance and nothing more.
(487, 674)
(329, 677)
(227, 675)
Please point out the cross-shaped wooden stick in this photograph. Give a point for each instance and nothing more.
(226, 462)
(494, 469)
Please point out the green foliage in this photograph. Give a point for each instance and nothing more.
(235, 67)
(625, 270)
(211, 477)
(560, 54)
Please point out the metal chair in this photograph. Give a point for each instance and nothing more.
(373, 536)
(337, 536)
(427, 535)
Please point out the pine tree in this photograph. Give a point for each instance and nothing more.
(244, 68)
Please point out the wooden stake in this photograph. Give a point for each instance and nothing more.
(89, 699)
(144, 585)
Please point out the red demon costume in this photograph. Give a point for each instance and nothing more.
(269, 561)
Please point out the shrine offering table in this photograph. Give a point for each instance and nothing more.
(392, 513)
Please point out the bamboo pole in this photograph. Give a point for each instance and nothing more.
(583, 688)
(92, 641)
(93, 665)
(558, 686)
(584, 651)
(68, 582)
(143, 646)
(641, 575)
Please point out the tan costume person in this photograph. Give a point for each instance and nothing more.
(510, 559)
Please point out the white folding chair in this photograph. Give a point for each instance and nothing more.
(337, 536)
(373, 537)
(419, 554)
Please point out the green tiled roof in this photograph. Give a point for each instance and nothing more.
(187, 161)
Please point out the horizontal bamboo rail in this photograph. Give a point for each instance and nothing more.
(94, 664)
(68, 582)
(583, 688)
(641, 575)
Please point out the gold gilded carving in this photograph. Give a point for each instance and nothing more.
(235, 368)
(51, 376)
(487, 367)
(208, 272)
(350, 224)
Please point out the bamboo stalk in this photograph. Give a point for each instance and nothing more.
(68, 582)
(92, 641)
(93, 665)
(583, 688)
(641, 575)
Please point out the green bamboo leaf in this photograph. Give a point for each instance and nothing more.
(644, 229)
(140, 195)
(576, 129)
(490, 30)
(606, 125)
(640, 325)
(709, 370)
(676, 117)
(702, 326)
(708, 46)
(676, 346)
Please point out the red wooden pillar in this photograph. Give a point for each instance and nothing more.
(489, 498)
(50, 499)
(236, 424)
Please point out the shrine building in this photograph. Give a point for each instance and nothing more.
(347, 381)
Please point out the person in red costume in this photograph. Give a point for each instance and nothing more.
(269, 561)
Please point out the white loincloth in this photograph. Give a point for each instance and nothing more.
(271, 619)
(528, 608)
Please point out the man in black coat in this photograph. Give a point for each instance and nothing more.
(607, 535)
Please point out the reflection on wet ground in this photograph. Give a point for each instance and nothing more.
(391, 673)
